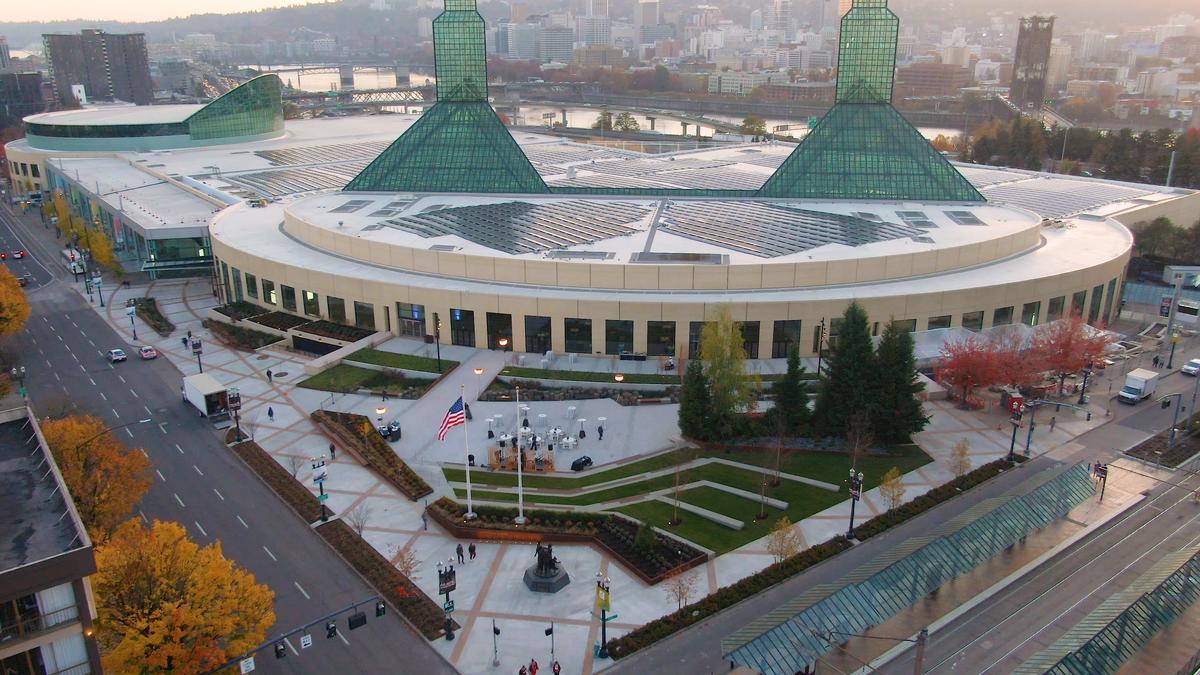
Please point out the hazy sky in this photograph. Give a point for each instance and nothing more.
(131, 10)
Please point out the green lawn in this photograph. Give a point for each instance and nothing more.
(833, 468)
(407, 361)
(585, 479)
(693, 528)
(345, 378)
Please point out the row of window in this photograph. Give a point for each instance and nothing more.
(619, 333)
(25, 169)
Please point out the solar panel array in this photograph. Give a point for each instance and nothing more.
(964, 218)
(584, 179)
(280, 182)
(1056, 197)
(981, 177)
(556, 153)
(702, 179)
(769, 161)
(916, 219)
(323, 154)
(769, 231)
(522, 227)
(642, 167)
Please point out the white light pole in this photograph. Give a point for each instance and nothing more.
(520, 519)
(467, 458)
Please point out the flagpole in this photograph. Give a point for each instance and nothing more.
(520, 519)
(467, 455)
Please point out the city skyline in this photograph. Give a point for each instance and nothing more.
(137, 10)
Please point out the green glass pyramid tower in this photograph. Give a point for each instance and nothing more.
(862, 148)
(459, 144)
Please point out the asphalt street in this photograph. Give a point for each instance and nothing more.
(197, 481)
(698, 649)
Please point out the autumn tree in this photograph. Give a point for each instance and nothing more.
(1017, 364)
(166, 605)
(849, 371)
(105, 478)
(14, 306)
(960, 459)
(898, 412)
(891, 489)
(680, 585)
(783, 542)
(1067, 346)
(968, 364)
(753, 125)
(724, 356)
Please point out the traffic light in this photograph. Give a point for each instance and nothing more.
(380, 608)
(280, 650)
(330, 629)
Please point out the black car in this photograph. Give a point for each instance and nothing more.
(581, 463)
(394, 430)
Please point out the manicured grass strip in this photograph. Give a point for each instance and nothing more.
(586, 479)
(834, 468)
(586, 376)
(407, 361)
(340, 378)
(693, 528)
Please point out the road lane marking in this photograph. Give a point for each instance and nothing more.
(85, 369)
(243, 522)
(221, 496)
(145, 453)
(59, 337)
(178, 500)
(197, 469)
(57, 377)
(69, 348)
(306, 596)
(200, 527)
(89, 379)
(162, 426)
(289, 644)
(116, 413)
(179, 448)
(91, 343)
(121, 378)
(48, 364)
(134, 392)
(103, 396)
(277, 560)
(144, 407)
(128, 432)
(160, 476)
(344, 640)
(143, 515)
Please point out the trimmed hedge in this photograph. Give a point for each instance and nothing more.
(147, 310)
(930, 499)
(586, 376)
(239, 310)
(336, 331)
(236, 336)
(281, 321)
(358, 432)
(378, 357)
(724, 598)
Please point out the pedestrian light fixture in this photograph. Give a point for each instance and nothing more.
(503, 342)
(280, 650)
(619, 377)
(380, 411)
(330, 629)
(380, 608)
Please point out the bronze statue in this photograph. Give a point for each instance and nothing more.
(547, 564)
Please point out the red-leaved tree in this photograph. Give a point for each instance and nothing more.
(968, 364)
(1018, 364)
(1068, 346)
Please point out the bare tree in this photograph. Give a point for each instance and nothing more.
(858, 436)
(358, 517)
(681, 458)
(406, 563)
(960, 460)
(783, 542)
(779, 425)
(679, 586)
(295, 463)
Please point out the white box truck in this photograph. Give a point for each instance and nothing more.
(207, 395)
(1139, 385)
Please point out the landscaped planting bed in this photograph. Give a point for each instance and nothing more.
(378, 357)
(649, 555)
(239, 311)
(1185, 447)
(281, 321)
(278, 479)
(724, 598)
(344, 378)
(336, 331)
(586, 376)
(358, 432)
(531, 390)
(243, 338)
(147, 310)
(398, 590)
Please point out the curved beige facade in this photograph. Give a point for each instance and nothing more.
(1015, 269)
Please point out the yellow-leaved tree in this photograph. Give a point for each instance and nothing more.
(106, 479)
(14, 306)
(166, 605)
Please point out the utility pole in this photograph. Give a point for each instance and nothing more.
(919, 659)
(1171, 317)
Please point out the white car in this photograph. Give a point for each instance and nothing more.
(115, 355)
(1191, 367)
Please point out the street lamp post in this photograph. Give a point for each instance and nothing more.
(130, 311)
(437, 339)
(1087, 374)
(447, 582)
(820, 345)
(1166, 402)
(1170, 357)
(320, 473)
(197, 349)
(1015, 419)
(856, 482)
(604, 600)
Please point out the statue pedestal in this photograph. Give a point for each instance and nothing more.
(546, 584)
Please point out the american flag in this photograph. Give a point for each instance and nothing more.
(454, 417)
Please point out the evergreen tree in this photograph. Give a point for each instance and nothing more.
(791, 395)
(898, 414)
(693, 402)
(848, 383)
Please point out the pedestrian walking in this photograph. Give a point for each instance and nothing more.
(1053, 421)
(1155, 361)
(270, 376)
(471, 551)
(332, 451)
(184, 341)
(459, 550)
(270, 413)
(533, 666)
(600, 432)
(523, 671)
(424, 523)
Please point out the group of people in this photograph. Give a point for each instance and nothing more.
(459, 550)
(532, 668)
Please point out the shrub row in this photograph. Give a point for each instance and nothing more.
(280, 320)
(379, 357)
(398, 590)
(147, 310)
(283, 483)
(244, 338)
(336, 331)
(724, 598)
(919, 505)
(358, 432)
(240, 310)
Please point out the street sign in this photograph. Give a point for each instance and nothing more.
(855, 493)
(322, 498)
(603, 598)
(247, 665)
(448, 606)
(447, 581)
(1101, 471)
(305, 641)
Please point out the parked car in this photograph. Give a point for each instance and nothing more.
(581, 463)
(1191, 367)
(394, 430)
(115, 355)
(18, 254)
(23, 280)
(147, 352)
(384, 431)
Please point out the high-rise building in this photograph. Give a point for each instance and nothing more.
(5, 56)
(21, 94)
(523, 41)
(593, 30)
(110, 66)
(781, 17)
(756, 20)
(597, 8)
(649, 13)
(1031, 61)
(556, 44)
